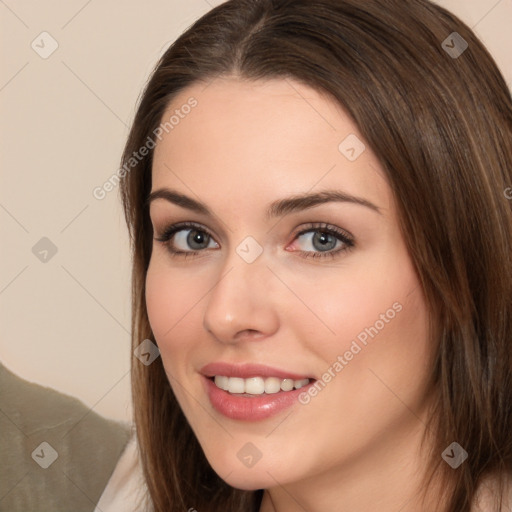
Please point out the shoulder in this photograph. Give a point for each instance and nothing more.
(54, 448)
(488, 494)
(126, 490)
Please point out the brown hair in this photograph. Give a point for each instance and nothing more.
(441, 126)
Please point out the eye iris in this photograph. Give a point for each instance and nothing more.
(323, 239)
(196, 237)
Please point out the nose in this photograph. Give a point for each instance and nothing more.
(240, 307)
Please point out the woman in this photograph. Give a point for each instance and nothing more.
(315, 192)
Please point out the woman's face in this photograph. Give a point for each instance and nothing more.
(317, 289)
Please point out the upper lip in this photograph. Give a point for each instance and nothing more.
(248, 370)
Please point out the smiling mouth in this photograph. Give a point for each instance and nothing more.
(254, 386)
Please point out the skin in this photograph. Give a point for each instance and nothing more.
(356, 443)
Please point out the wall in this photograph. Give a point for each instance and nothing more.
(65, 322)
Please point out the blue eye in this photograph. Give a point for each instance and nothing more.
(197, 236)
(325, 236)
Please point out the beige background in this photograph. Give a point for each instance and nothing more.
(65, 323)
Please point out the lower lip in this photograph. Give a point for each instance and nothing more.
(251, 408)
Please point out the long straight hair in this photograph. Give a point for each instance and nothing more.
(438, 116)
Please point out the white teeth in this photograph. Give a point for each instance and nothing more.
(221, 382)
(287, 384)
(236, 385)
(272, 385)
(257, 385)
(300, 383)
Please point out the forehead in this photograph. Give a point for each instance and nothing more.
(261, 137)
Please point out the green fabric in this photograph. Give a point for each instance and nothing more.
(87, 446)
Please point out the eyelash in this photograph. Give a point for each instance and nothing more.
(338, 233)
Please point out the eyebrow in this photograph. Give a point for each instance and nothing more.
(277, 208)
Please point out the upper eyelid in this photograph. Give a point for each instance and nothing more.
(311, 226)
(279, 209)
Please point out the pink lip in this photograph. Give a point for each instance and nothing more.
(247, 407)
(247, 370)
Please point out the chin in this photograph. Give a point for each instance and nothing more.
(237, 475)
(246, 481)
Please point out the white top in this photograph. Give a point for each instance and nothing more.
(126, 489)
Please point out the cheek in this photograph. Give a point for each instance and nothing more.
(372, 296)
(170, 302)
(159, 302)
(382, 338)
